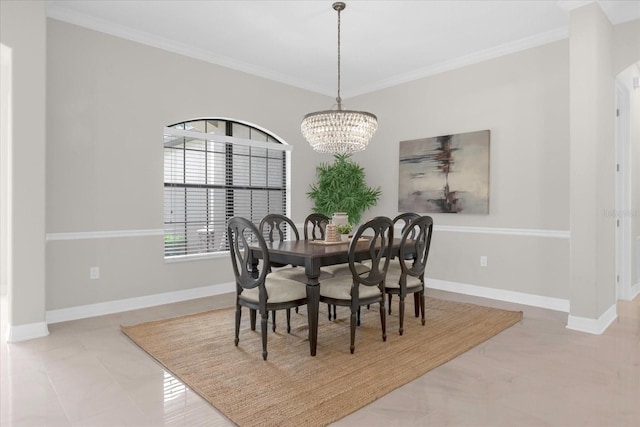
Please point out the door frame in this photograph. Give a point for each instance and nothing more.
(623, 192)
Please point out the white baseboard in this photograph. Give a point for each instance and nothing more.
(593, 326)
(37, 330)
(27, 332)
(550, 303)
(635, 291)
(100, 309)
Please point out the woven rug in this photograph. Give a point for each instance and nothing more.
(292, 388)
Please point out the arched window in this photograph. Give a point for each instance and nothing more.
(215, 169)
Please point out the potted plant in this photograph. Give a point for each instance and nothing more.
(341, 187)
(344, 230)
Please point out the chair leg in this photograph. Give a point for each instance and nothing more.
(352, 324)
(383, 320)
(263, 324)
(401, 314)
(289, 320)
(334, 311)
(252, 317)
(389, 303)
(358, 316)
(273, 327)
(238, 316)
(421, 296)
(416, 303)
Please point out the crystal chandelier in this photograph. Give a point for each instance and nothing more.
(339, 131)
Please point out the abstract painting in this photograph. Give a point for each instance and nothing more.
(445, 174)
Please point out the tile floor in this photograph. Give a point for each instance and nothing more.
(537, 373)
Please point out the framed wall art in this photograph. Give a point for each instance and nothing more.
(445, 174)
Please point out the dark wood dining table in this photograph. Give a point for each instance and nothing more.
(312, 255)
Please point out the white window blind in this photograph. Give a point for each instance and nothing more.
(213, 170)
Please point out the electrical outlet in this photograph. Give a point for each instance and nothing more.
(483, 261)
(94, 273)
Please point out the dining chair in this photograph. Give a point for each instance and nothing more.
(403, 219)
(344, 270)
(278, 227)
(412, 258)
(259, 290)
(364, 288)
(315, 226)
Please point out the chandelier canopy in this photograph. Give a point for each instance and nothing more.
(339, 131)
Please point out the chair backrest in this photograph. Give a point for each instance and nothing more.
(414, 246)
(405, 219)
(378, 233)
(318, 224)
(241, 233)
(275, 226)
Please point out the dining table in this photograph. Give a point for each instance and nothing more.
(313, 254)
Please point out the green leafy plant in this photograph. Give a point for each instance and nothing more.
(341, 187)
(344, 228)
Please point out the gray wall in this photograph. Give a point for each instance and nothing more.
(523, 99)
(107, 100)
(22, 211)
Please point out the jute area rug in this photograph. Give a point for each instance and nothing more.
(294, 389)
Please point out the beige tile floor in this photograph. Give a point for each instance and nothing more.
(537, 373)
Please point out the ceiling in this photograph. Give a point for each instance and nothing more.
(383, 43)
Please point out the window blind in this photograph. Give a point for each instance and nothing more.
(214, 170)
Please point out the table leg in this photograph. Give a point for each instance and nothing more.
(313, 304)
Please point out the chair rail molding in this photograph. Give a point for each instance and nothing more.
(555, 234)
(84, 235)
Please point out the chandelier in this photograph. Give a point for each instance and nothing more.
(339, 131)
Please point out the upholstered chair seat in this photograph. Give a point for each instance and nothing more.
(298, 274)
(343, 269)
(393, 280)
(278, 290)
(340, 288)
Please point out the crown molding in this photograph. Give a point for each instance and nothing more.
(103, 26)
(474, 58)
(56, 12)
(570, 5)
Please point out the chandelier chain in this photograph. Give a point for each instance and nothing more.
(339, 98)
